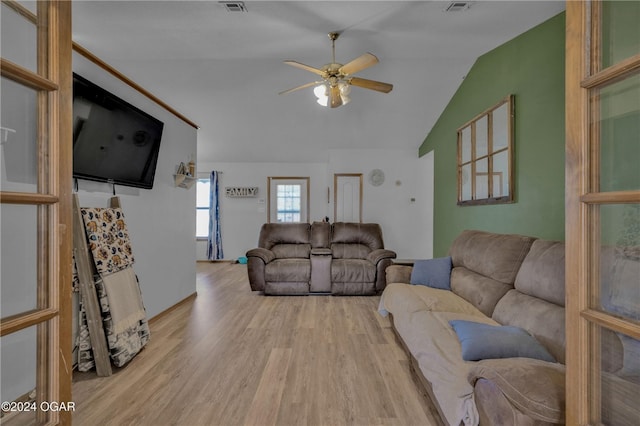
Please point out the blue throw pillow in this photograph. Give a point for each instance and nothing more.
(434, 273)
(484, 341)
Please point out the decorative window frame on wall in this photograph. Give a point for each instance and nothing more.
(485, 156)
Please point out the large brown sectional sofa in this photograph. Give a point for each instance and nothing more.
(301, 258)
(509, 280)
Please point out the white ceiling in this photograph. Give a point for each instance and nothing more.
(223, 70)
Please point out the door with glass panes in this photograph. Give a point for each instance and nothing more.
(603, 212)
(35, 213)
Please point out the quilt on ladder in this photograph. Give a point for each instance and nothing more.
(117, 288)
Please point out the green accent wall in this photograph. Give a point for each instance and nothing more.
(531, 67)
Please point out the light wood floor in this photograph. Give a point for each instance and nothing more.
(233, 357)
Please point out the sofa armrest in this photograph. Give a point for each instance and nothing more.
(399, 274)
(381, 258)
(377, 255)
(264, 254)
(535, 388)
(257, 258)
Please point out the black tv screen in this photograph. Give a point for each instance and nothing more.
(113, 141)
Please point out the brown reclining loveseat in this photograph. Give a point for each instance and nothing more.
(302, 258)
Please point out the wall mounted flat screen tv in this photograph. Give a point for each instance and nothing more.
(113, 141)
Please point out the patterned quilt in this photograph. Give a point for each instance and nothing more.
(110, 246)
(108, 238)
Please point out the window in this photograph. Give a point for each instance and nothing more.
(485, 172)
(288, 199)
(202, 207)
(288, 202)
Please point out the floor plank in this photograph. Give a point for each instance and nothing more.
(234, 357)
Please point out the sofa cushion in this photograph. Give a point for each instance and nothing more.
(631, 357)
(398, 273)
(537, 388)
(482, 292)
(542, 272)
(320, 233)
(434, 273)
(349, 251)
(283, 251)
(288, 270)
(352, 271)
(367, 234)
(484, 341)
(544, 320)
(619, 268)
(283, 233)
(497, 256)
(619, 400)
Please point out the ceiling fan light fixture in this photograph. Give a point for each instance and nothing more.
(345, 88)
(332, 96)
(320, 91)
(337, 79)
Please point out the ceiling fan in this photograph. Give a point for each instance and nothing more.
(334, 88)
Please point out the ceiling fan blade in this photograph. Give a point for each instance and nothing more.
(359, 63)
(371, 84)
(304, 86)
(304, 67)
(335, 100)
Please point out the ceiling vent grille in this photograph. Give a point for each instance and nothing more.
(234, 6)
(458, 6)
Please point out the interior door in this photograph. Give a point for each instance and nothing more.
(347, 193)
(288, 199)
(603, 212)
(35, 213)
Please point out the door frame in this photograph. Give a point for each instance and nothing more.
(53, 316)
(583, 199)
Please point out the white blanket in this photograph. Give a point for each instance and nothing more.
(125, 300)
(432, 341)
(408, 298)
(435, 345)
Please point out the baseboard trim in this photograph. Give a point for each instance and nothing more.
(173, 308)
(217, 261)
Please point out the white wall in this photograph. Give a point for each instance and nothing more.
(241, 218)
(402, 205)
(161, 221)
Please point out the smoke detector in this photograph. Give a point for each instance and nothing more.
(234, 6)
(458, 6)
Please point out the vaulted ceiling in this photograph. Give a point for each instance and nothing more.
(223, 70)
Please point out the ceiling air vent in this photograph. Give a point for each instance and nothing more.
(234, 6)
(458, 6)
